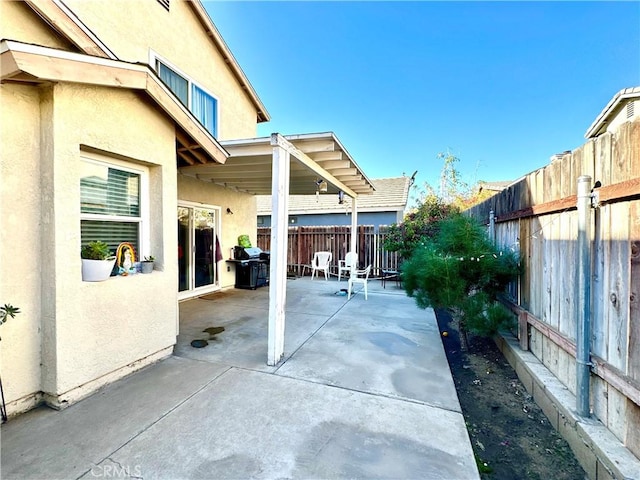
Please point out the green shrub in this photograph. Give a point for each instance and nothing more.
(460, 270)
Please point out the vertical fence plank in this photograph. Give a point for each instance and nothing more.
(619, 286)
(600, 284)
(634, 297)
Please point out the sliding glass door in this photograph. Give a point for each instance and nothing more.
(198, 246)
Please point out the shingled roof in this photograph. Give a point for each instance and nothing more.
(390, 195)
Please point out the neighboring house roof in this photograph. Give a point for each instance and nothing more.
(626, 96)
(391, 194)
(25, 63)
(494, 186)
(56, 14)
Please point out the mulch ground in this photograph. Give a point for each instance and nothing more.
(511, 436)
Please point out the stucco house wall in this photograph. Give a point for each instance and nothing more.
(240, 222)
(72, 337)
(144, 26)
(21, 249)
(88, 330)
(20, 23)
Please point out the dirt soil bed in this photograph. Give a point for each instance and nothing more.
(511, 437)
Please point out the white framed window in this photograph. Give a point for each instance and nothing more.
(199, 101)
(114, 202)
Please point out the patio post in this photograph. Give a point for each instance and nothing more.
(354, 230)
(278, 250)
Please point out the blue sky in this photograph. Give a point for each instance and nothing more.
(501, 85)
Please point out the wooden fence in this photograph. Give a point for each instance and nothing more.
(303, 242)
(537, 216)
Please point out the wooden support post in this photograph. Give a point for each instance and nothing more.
(523, 330)
(278, 262)
(353, 247)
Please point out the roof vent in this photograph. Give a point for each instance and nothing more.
(630, 109)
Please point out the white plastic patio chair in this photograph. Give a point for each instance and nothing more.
(359, 276)
(321, 261)
(350, 261)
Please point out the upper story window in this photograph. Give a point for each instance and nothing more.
(202, 104)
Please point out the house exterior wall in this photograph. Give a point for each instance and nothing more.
(91, 333)
(20, 242)
(72, 337)
(19, 22)
(242, 221)
(177, 36)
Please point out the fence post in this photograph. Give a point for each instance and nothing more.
(583, 316)
(492, 226)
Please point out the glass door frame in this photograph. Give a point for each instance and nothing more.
(190, 254)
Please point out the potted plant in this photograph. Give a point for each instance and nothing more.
(6, 311)
(97, 261)
(147, 264)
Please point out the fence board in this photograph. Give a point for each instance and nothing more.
(547, 284)
(634, 298)
(603, 159)
(525, 259)
(600, 286)
(536, 267)
(548, 241)
(618, 268)
(303, 242)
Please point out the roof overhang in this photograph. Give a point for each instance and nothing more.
(315, 156)
(230, 60)
(599, 125)
(65, 21)
(32, 64)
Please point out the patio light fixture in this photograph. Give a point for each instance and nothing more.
(322, 186)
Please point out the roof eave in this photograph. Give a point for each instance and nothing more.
(599, 125)
(32, 63)
(216, 37)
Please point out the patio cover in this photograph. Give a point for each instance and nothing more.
(279, 166)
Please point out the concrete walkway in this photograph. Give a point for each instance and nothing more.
(364, 391)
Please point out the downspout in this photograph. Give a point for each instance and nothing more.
(583, 316)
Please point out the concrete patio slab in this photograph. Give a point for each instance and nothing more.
(364, 391)
(50, 444)
(379, 346)
(295, 429)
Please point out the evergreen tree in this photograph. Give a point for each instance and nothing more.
(460, 270)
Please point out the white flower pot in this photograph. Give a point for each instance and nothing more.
(97, 270)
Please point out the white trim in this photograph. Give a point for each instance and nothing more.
(155, 57)
(14, 46)
(198, 291)
(600, 123)
(144, 219)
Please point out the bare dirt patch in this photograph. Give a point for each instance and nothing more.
(510, 435)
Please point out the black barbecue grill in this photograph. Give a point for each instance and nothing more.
(252, 267)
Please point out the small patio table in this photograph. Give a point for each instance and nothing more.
(391, 275)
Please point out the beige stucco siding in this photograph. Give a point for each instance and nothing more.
(242, 221)
(134, 28)
(81, 332)
(99, 327)
(19, 22)
(20, 220)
